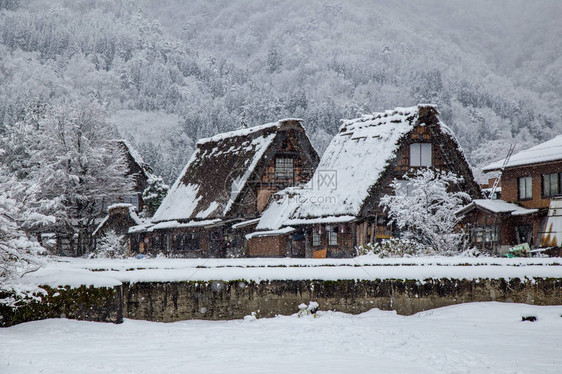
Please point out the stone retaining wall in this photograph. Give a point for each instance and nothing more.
(83, 303)
(176, 301)
(218, 300)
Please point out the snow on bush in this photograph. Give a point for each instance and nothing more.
(396, 248)
(423, 208)
(111, 245)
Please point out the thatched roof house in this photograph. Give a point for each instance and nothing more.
(364, 157)
(230, 179)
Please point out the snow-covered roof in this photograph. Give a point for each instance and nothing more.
(496, 206)
(121, 205)
(353, 163)
(218, 172)
(130, 209)
(134, 155)
(545, 152)
(247, 131)
(247, 223)
(356, 157)
(329, 219)
(143, 227)
(100, 225)
(179, 225)
(283, 231)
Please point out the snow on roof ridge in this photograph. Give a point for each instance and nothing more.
(246, 131)
(401, 111)
(177, 224)
(133, 152)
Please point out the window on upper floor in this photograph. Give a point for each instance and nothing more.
(550, 185)
(284, 168)
(525, 188)
(420, 154)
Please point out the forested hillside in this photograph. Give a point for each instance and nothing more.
(171, 72)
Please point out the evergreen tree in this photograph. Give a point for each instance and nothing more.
(153, 195)
(111, 245)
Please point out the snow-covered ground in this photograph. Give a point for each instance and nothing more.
(467, 338)
(59, 271)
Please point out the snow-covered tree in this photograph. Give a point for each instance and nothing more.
(77, 169)
(111, 245)
(153, 194)
(423, 208)
(18, 251)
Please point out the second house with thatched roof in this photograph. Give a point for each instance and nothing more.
(339, 210)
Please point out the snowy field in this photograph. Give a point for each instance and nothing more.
(63, 271)
(469, 338)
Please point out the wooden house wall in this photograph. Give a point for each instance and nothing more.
(267, 246)
(510, 188)
(507, 227)
(168, 242)
(345, 246)
(303, 169)
(218, 241)
(372, 230)
(445, 157)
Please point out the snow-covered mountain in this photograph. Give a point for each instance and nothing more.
(493, 68)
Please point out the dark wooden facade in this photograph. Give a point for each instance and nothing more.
(496, 232)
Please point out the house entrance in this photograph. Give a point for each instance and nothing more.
(524, 234)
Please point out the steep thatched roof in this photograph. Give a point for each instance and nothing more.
(218, 173)
(353, 166)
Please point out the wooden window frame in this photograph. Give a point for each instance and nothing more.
(284, 168)
(333, 237)
(316, 238)
(421, 162)
(551, 194)
(489, 234)
(519, 190)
